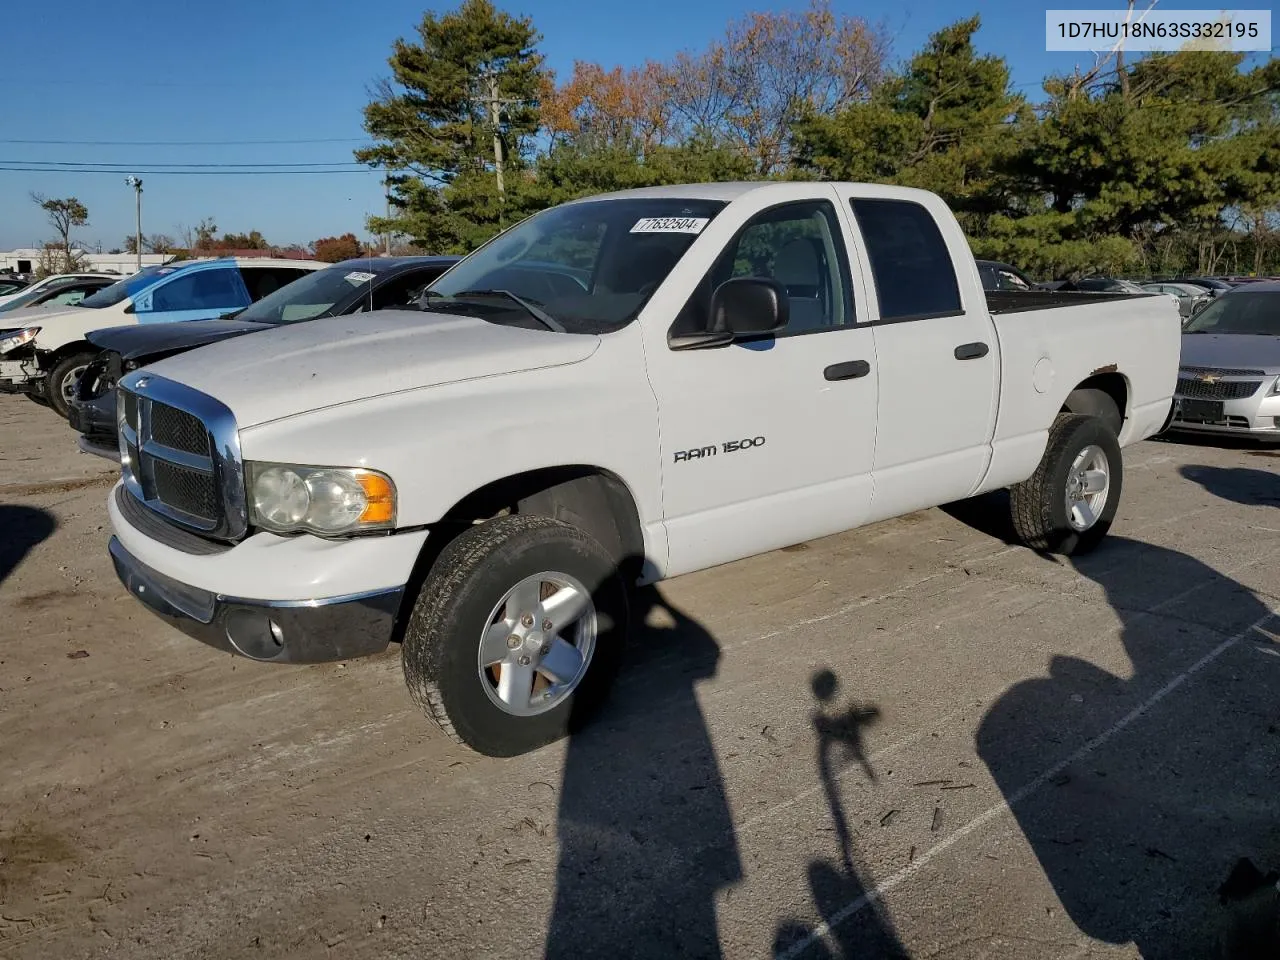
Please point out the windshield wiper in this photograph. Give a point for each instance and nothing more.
(550, 322)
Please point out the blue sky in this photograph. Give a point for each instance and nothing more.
(252, 70)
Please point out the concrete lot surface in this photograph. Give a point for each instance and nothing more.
(909, 740)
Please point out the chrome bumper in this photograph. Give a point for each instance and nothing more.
(279, 631)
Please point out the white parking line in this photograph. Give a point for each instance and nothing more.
(977, 823)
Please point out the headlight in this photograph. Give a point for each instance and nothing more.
(329, 501)
(1275, 388)
(9, 339)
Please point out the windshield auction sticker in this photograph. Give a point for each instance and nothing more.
(1237, 31)
(670, 224)
(355, 277)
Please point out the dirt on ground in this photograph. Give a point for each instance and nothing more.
(914, 739)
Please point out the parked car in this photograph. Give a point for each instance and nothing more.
(1103, 285)
(11, 283)
(1215, 286)
(1001, 276)
(369, 283)
(67, 292)
(1229, 377)
(1191, 299)
(51, 280)
(43, 352)
(485, 481)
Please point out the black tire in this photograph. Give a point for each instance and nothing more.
(56, 386)
(1039, 504)
(470, 578)
(37, 398)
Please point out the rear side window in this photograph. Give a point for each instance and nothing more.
(913, 272)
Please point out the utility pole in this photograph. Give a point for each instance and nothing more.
(386, 191)
(134, 182)
(495, 120)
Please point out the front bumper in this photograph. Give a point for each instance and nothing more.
(95, 419)
(1256, 416)
(21, 376)
(279, 631)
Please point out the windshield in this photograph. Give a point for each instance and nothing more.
(123, 289)
(1248, 313)
(29, 297)
(310, 296)
(590, 266)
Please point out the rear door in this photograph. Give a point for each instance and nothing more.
(936, 349)
(200, 294)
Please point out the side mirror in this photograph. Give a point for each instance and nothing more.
(749, 306)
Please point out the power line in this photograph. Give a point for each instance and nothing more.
(122, 163)
(183, 143)
(175, 173)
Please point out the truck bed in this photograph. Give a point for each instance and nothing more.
(1018, 301)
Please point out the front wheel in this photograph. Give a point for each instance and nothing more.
(516, 636)
(61, 386)
(1068, 505)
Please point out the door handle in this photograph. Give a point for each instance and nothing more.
(849, 370)
(971, 351)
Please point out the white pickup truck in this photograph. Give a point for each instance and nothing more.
(614, 391)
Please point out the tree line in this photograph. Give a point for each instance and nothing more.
(1167, 164)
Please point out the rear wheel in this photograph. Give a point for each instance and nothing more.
(1068, 505)
(61, 385)
(516, 636)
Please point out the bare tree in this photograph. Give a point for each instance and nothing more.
(63, 215)
(158, 243)
(771, 67)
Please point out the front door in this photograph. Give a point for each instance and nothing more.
(768, 442)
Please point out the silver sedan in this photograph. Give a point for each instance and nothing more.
(1229, 376)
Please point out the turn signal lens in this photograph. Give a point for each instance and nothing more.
(380, 498)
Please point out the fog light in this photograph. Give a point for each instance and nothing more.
(254, 634)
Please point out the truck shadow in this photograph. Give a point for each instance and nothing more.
(646, 836)
(1139, 792)
(852, 921)
(21, 529)
(987, 514)
(1242, 485)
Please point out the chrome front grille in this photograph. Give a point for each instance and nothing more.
(178, 429)
(180, 455)
(1219, 372)
(1197, 388)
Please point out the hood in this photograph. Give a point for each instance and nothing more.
(322, 363)
(1227, 351)
(34, 316)
(141, 340)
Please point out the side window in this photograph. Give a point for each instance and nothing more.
(203, 290)
(69, 297)
(799, 246)
(400, 292)
(914, 275)
(1010, 281)
(260, 281)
